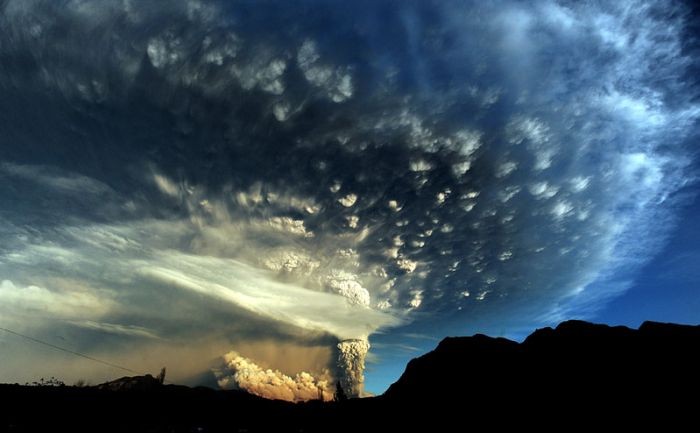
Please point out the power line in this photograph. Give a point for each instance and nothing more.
(72, 352)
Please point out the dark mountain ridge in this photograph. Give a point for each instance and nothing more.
(573, 359)
(576, 375)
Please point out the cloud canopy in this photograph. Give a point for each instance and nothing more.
(326, 170)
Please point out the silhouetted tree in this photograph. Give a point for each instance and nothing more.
(339, 393)
(161, 376)
(52, 381)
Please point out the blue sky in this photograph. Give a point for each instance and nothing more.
(667, 289)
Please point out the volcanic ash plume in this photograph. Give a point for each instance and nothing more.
(242, 373)
(351, 364)
(332, 177)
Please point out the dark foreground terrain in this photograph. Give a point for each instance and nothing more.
(577, 375)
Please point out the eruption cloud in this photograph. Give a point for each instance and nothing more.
(351, 366)
(326, 170)
(242, 373)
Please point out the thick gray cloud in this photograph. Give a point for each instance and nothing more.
(174, 170)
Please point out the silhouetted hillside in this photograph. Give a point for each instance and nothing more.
(131, 383)
(576, 365)
(578, 374)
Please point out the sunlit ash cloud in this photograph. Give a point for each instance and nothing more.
(318, 172)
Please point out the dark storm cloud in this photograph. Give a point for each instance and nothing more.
(423, 160)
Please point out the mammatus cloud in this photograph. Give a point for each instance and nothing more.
(325, 171)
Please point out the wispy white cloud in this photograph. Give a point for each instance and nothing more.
(34, 302)
(114, 328)
(257, 291)
(55, 179)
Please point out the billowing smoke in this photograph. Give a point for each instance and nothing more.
(351, 366)
(325, 170)
(242, 373)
